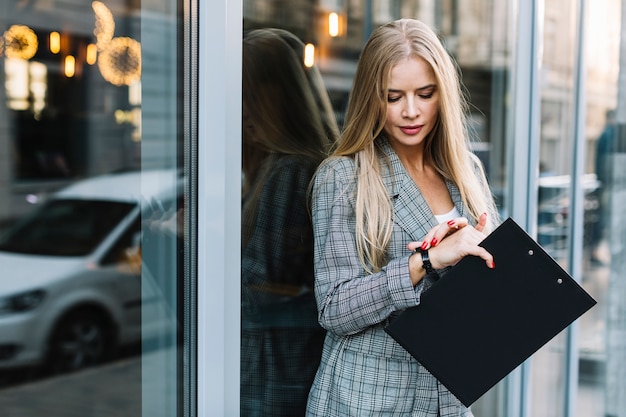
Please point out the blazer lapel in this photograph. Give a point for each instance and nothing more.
(411, 212)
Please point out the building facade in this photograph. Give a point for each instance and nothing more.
(94, 88)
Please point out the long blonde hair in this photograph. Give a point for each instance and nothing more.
(447, 144)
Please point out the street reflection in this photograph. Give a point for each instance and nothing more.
(77, 296)
(90, 256)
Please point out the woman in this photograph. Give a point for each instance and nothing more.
(288, 130)
(401, 178)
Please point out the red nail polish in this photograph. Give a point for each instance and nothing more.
(451, 223)
(493, 264)
(424, 245)
(433, 242)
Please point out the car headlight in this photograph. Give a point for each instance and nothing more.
(21, 302)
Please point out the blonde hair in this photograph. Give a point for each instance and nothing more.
(447, 144)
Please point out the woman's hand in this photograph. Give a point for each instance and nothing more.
(449, 242)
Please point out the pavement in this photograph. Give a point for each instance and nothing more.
(133, 386)
(112, 390)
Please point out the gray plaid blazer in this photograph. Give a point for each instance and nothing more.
(363, 371)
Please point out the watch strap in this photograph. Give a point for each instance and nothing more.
(426, 262)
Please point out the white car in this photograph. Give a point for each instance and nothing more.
(71, 284)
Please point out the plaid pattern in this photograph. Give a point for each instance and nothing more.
(281, 340)
(277, 369)
(363, 371)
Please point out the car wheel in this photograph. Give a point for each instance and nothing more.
(79, 340)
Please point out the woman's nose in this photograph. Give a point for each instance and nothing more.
(411, 108)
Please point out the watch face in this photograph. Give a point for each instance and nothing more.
(20, 42)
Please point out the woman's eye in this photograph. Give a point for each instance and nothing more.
(391, 99)
(426, 96)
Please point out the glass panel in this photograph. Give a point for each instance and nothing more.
(556, 132)
(65, 227)
(602, 338)
(91, 198)
(478, 34)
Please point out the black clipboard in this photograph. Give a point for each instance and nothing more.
(475, 325)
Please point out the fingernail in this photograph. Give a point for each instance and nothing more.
(433, 242)
(493, 264)
(424, 245)
(451, 222)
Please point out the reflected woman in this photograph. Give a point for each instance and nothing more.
(288, 128)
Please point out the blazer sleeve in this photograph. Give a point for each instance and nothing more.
(348, 299)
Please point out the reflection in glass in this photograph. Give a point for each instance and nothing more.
(554, 209)
(603, 340)
(65, 228)
(105, 24)
(21, 42)
(16, 83)
(600, 331)
(82, 280)
(75, 293)
(55, 42)
(288, 127)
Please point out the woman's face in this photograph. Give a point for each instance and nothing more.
(412, 102)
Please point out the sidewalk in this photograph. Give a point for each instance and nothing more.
(113, 390)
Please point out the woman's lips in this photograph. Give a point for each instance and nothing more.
(411, 130)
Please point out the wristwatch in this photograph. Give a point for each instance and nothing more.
(426, 262)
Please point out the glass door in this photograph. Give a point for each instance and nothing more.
(329, 36)
(93, 186)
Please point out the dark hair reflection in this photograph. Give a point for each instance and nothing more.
(288, 128)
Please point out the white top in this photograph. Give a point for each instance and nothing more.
(452, 214)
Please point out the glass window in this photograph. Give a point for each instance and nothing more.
(93, 186)
(565, 223)
(602, 338)
(65, 227)
(555, 172)
(277, 308)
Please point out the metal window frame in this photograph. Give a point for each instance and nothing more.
(523, 164)
(220, 26)
(523, 159)
(219, 33)
(190, 133)
(577, 199)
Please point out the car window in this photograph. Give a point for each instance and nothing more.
(65, 227)
(126, 251)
